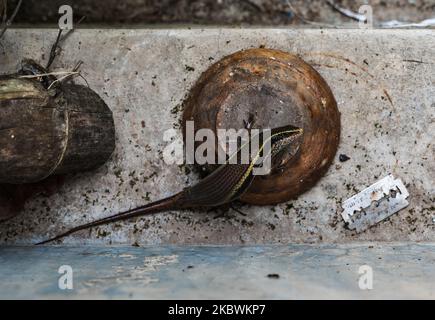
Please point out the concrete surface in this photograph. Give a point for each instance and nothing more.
(384, 83)
(400, 271)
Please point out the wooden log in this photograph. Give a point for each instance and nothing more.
(48, 132)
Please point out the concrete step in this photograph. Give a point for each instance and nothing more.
(383, 81)
(350, 271)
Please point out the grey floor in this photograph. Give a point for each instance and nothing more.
(398, 271)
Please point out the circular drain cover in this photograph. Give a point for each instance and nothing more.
(277, 89)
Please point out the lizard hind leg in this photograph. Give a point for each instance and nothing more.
(222, 211)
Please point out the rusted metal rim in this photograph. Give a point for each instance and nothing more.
(279, 89)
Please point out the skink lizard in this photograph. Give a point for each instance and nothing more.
(224, 185)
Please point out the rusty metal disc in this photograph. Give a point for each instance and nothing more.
(279, 89)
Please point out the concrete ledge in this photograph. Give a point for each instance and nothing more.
(383, 81)
(400, 271)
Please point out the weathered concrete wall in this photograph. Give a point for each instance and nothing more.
(384, 83)
(400, 271)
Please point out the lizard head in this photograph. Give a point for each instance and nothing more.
(285, 143)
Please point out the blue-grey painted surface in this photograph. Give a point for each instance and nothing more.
(209, 272)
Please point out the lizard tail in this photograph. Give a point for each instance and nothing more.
(153, 207)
